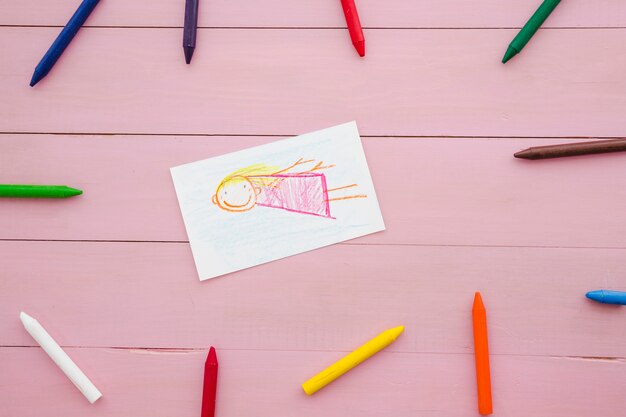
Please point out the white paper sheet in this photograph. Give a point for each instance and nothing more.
(272, 201)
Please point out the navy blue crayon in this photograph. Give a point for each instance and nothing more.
(608, 297)
(64, 39)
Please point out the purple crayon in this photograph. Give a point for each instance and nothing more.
(190, 28)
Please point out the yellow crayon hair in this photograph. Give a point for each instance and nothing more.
(253, 173)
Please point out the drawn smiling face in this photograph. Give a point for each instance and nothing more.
(235, 194)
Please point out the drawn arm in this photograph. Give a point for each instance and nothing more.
(298, 162)
(318, 167)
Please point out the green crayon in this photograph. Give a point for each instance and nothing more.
(37, 191)
(530, 28)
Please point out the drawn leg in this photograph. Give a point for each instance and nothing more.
(341, 188)
(348, 197)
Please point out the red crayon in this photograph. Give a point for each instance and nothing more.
(210, 384)
(354, 26)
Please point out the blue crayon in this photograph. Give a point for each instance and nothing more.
(64, 39)
(608, 297)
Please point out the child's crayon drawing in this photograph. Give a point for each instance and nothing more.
(299, 188)
(275, 200)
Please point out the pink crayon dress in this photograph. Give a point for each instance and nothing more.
(299, 193)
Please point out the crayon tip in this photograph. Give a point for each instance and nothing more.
(211, 357)
(525, 154)
(597, 295)
(26, 319)
(37, 75)
(478, 302)
(395, 332)
(71, 192)
(35, 79)
(360, 48)
(188, 53)
(510, 53)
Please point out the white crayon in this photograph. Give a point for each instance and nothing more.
(59, 357)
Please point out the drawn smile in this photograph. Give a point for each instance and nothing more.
(239, 206)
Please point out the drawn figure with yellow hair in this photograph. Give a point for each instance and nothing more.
(292, 189)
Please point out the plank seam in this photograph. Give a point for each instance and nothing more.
(263, 135)
(401, 352)
(427, 245)
(321, 27)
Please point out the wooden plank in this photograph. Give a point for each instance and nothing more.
(431, 191)
(148, 295)
(315, 13)
(246, 81)
(158, 383)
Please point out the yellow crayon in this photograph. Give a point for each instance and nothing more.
(351, 360)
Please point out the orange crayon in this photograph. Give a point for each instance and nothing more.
(481, 351)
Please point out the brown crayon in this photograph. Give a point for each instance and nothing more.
(573, 149)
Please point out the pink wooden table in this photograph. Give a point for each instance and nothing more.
(111, 276)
